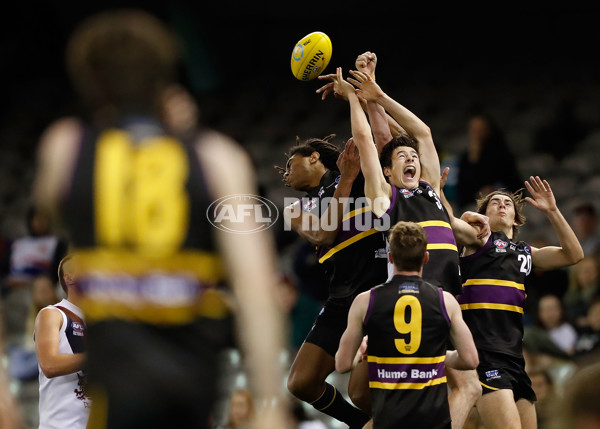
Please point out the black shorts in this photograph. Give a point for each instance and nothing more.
(500, 371)
(330, 324)
(147, 376)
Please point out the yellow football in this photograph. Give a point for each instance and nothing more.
(311, 55)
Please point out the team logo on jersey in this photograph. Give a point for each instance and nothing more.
(381, 253)
(310, 205)
(77, 329)
(527, 249)
(492, 374)
(407, 193)
(500, 244)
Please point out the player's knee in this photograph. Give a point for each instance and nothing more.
(360, 398)
(473, 388)
(301, 386)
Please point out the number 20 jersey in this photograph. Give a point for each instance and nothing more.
(493, 294)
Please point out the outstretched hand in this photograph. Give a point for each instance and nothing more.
(366, 63)
(339, 87)
(348, 162)
(368, 90)
(542, 197)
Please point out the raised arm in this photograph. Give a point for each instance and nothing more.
(551, 257)
(465, 356)
(47, 332)
(323, 231)
(377, 190)
(430, 163)
(384, 127)
(353, 335)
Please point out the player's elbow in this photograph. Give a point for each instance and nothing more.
(424, 132)
(576, 256)
(342, 365)
(49, 370)
(471, 360)
(342, 368)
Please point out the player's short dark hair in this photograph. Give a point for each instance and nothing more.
(385, 157)
(328, 152)
(122, 59)
(518, 202)
(408, 244)
(61, 273)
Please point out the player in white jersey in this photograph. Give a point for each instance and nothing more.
(59, 344)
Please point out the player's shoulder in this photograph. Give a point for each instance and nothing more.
(62, 131)
(50, 314)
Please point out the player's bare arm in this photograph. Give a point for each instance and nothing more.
(430, 163)
(353, 336)
(551, 257)
(377, 190)
(59, 147)
(465, 356)
(383, 125)
(47, 335)
(472, 230)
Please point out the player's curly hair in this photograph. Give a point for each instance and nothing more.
(328, 152)
(122, 59)
(518, 202)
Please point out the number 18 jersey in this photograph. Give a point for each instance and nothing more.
(137, 218)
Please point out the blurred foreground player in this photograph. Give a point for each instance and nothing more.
(135, 201)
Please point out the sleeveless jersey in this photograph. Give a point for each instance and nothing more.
(63, 402)
(408, 329)
(357, 259)
(493, 295)
(137, 214)
(423, 206)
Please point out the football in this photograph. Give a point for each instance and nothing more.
(311, 55)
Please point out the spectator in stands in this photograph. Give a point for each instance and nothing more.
(34, 255)
(587, 348)
(551, 318)
(241, 410)
(585, 224)
(544, 389)
(584, 285)
(487, 163)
